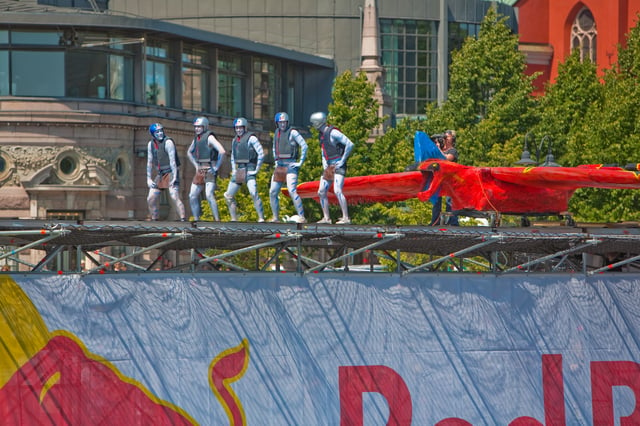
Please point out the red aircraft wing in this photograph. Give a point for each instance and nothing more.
(509, 190)
(372, 188)
(569, 178)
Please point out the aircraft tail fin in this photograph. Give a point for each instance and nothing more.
(424, 148)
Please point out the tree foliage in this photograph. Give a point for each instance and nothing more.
(489, 102)
(609, 134)
(562, 110)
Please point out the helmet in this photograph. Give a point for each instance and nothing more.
(281, 116)
(201, 124)
(201, 121)
(240, 122)
(318, 119)
(157, 131)
(240, 125)
(282, 120)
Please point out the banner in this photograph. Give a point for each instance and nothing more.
(320, 349)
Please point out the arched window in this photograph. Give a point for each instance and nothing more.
(584, 35)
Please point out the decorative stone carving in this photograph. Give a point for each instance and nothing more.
(8, 175)
(37, 165)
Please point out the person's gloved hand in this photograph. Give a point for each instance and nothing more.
(151, 184)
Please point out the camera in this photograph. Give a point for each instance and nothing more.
(439, 139)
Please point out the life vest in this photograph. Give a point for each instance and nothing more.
(283, 147)
(161, 157)
(244, 153)
(330, 149)
(204, 153)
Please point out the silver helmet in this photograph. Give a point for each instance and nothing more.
(240, 125)
(200, 124)
(318, 119)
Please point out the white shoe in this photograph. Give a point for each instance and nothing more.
(324, 220)
(295, 219)
(343, 221)
(260, 220)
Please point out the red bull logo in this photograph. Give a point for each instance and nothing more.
(605, 375)
(51, 378)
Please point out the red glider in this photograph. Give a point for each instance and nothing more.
(489, 191)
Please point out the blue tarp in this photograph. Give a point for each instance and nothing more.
(465, 346)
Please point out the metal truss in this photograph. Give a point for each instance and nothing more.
(32, 246)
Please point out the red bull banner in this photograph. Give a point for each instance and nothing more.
(321, 349)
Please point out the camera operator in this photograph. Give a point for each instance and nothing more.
(439, 140)
(447, 144)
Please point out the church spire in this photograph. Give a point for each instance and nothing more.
(370, 38)
(370, 57)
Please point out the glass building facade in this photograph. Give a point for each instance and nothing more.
(191, 75)
(153, 70)
(410, 56)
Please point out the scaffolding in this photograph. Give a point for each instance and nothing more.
(33, 246)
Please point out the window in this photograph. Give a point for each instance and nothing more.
(86, 74)
(122, 169)
(158, 78)
(68, 166)
(194, 79)
(266, 89)
(120, 83)
(4, 63)
(27, 78)
(409, 56)
(102, 70)
(291, 93)
(105, 71)
(7, 167)
(4, 73)
(49, 38)
(230, 85)
(32, 52)
(584, 35)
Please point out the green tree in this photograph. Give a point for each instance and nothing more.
(489, 102)
(353, 108)
(392, 153)
(610, 134)
(563, 108)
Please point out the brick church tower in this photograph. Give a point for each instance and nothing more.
(550, 29)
